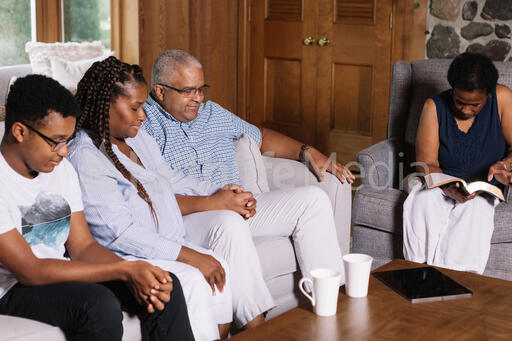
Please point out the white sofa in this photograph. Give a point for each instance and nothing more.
(277, 256)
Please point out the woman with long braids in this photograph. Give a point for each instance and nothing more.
(129, 197)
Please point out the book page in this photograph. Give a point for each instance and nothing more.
(482, 186)
(438, 179)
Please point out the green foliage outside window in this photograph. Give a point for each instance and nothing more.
(15, 31)
(87, 20)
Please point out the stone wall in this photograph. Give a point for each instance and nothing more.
(456, 26)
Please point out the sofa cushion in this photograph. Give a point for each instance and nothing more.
(277, 256)
(250, 164)
(40, 53)
(69, 73)
(17, 328)
(2, 129)
(379, 208)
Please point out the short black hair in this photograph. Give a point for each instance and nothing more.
(33, 97)
(473, 71)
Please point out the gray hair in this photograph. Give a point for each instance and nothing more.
(166, 63)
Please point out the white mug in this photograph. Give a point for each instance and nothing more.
(357, 274)
(324, 296)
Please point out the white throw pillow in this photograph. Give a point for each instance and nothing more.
(69, 73)
(40, 53)
(250, 165)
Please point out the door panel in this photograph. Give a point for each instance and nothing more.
(283, 69)
(355, 66)
(334, 95)
(282, 92)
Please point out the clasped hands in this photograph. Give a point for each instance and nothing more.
(150, 285)
(232, 197)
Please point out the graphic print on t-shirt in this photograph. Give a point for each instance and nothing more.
(46, 221)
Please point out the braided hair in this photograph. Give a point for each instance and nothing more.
(100, 86)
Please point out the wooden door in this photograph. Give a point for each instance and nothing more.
(334, 96)
(282, 83)
(353, 75)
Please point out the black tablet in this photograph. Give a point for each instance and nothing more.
(423, 284)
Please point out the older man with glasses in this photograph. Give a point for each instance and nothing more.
(198, 139)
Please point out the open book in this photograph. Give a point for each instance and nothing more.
(438, 179)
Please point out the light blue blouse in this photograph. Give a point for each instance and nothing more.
(118, 217)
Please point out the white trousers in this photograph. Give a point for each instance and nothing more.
(443, 232)
(205, 310)
(228, 235)
(304, 214)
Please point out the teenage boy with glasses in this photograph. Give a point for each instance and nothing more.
(49, 262)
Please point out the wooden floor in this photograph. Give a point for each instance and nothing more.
(384, 315)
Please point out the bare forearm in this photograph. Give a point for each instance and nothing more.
(47, 271)
(94, 253)
(191, 204)
(425, 168)
(279, 145)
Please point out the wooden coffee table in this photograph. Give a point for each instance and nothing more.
(385, 315)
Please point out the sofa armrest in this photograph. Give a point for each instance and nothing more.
(284, 173)
(378, 163)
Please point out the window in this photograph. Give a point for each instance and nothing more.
(86, 20)
(50, 21)
(16, 18)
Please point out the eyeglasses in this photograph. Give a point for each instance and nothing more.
(56, 146)
(188, 92)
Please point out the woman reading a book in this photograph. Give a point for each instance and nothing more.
(465, 132)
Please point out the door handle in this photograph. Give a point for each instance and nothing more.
(323, 41)
(308, 41)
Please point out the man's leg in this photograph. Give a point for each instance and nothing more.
(228, 235)
(305, 214)
(172, 323)
(88, 311)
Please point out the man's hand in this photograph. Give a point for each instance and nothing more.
(232, 197)
(453, 191)
(150, 285)
(318, 163)
(501, 172)
(210, 267)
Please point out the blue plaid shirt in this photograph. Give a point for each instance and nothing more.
(204, 147)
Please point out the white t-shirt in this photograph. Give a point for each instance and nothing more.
(40, 209)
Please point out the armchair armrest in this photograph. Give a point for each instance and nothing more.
(378, 163)
(284, 173)
(508, 194)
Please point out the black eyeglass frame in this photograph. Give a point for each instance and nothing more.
(56, 145)
(188, 92)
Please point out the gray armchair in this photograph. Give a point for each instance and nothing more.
(377, 206)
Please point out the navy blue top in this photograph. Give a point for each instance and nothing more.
(469, 155)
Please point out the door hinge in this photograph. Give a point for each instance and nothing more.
(249, 6)
(391, 20)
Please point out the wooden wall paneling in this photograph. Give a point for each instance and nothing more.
(243, 60)
(164, 25)
(213, 40)
(124, 34)
(409, 25)
(48, 21)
